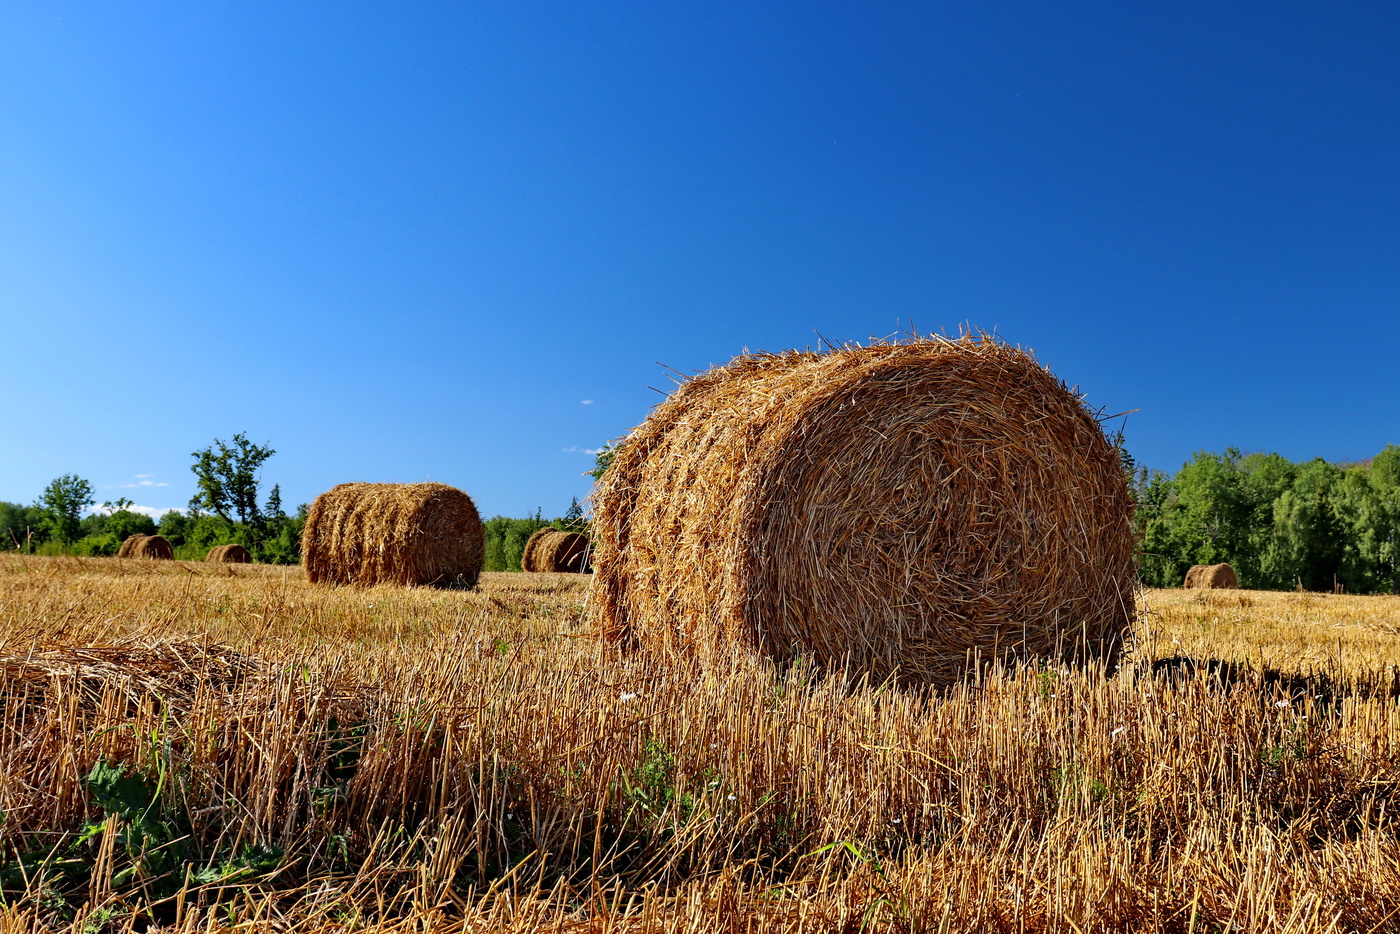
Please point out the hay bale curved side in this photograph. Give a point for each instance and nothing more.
(902, 506)
(402, 533)
(527, 555)
(1211, 577)
(129, 544)
(229, 554)
(550, 550)
(155, 547)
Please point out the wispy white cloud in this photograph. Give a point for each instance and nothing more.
(585, 402)
(575, 449)
(155, 512)
(141, 480)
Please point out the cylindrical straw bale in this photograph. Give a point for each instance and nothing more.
(552, 550)
(399, 533)
(229, 554)
(527, 556)
(901, 508)
(146, 546)
(1212, 577)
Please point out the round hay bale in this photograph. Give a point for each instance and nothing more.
(393, 533)
(902, 507)
(146, 546)
(551, 550)
(128, 544)
(229, 554)
(1212, 577)
(527, 556)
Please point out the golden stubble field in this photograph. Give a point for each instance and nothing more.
(193, 746)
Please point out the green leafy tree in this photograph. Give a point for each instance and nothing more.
(63, 502)
(604, 459)
(506, 538)
(173, 526)
(21, 526)
(1306, 547)
(124, 523)
(1367, 505)
(226, 478)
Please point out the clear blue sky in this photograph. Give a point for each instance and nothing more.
(452, 241)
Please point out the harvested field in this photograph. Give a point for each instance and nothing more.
(226, 747)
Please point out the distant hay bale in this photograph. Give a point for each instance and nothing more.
(1212, 577)
(552, 550)
(229, 554)
(901, 507)
(393, 533)
(146, 546)
(527, 556)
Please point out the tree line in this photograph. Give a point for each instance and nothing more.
(506, 538)
(224, 510)
(1281, 525)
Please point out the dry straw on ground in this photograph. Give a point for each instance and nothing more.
(393, 533)
(146, 546)
(1212, 577)
(902, 506)
(229, 554)
(552, 550)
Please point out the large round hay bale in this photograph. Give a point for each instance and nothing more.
(229, 554)
(552, 550)
(393, 533)
(1212, 577)
(146, 546)
(902, 507)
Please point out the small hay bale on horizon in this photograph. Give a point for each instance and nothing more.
(233, 553)
(412, 534)
(1211, 577)
(155, 547)
(551, 550)
(899, 508)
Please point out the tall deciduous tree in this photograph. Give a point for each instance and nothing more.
(63, 502)
(227, 478)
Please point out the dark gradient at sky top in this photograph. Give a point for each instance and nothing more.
(408, 241)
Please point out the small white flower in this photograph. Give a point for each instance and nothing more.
(627, 697)
(1282, 703)
(895, 821)
(714, 783)
(732, 797)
